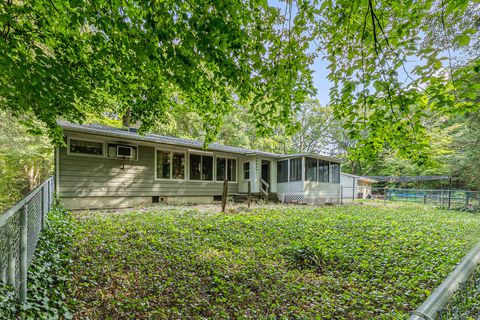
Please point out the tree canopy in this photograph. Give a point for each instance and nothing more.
(393, 64)
(65, 58)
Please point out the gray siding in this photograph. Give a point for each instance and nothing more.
(83, 176)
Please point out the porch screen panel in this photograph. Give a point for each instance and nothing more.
(310, 169)
(246, 170)
(282, 171)
(335, 173)
(323, 171)
(296, 169)
(163, 164)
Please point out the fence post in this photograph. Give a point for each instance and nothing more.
(249, 193)
(224, 195)
(449, 198)
(341, 194)
(52, 191)
(23, 253)
(353, 190)
(11, 269)
(449, 192)
(48, 197)
(42, 213)
(3, 275)
(46, 207)
(425, 198)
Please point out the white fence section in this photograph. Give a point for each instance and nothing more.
(20, 229)
(313, 198)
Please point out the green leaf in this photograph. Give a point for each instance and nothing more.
(463, 40)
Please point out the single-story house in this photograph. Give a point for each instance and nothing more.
(104, 167)
(355, 187)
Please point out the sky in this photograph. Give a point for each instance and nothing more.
(321, 83)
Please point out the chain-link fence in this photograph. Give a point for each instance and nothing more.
(458, 297)
(20, 229)
(443, 198)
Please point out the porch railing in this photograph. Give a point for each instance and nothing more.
(20, 229)
(264, 188)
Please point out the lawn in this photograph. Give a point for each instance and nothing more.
(344, 262)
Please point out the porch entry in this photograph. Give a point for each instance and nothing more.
(265, 178)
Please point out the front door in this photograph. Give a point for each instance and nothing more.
(266, 171)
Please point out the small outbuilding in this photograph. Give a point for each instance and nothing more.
(355, 187)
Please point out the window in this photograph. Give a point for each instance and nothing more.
(178, 166)
(201, 167)
(207, 168)
(296, 169)
(226, 169)
(221, 169)
(163, 165)
(282, 171)
(323, 171)
(170, 165)
(310, 169)
(335, 173)
(91, 148)
(195, 167)
(232, 169)
(246, 170)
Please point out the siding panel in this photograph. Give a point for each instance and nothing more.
(100, 177)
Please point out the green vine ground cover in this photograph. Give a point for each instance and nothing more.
(345, 262)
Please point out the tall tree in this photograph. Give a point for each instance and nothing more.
(66, 58)
(315, 132)
(465, 161)
(25, 160)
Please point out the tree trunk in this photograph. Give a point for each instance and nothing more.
(126, 119)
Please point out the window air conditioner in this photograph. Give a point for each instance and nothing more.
(124, 152)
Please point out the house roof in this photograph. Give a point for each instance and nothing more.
(361, 178)
(155, 138)
(311, 155)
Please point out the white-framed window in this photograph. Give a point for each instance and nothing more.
(201, 167)
(170, 165)
(246, 170)
(323, 171)
(310, 169)
(85, 147)
(282, 171)
(335, 172)
(226, 168)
